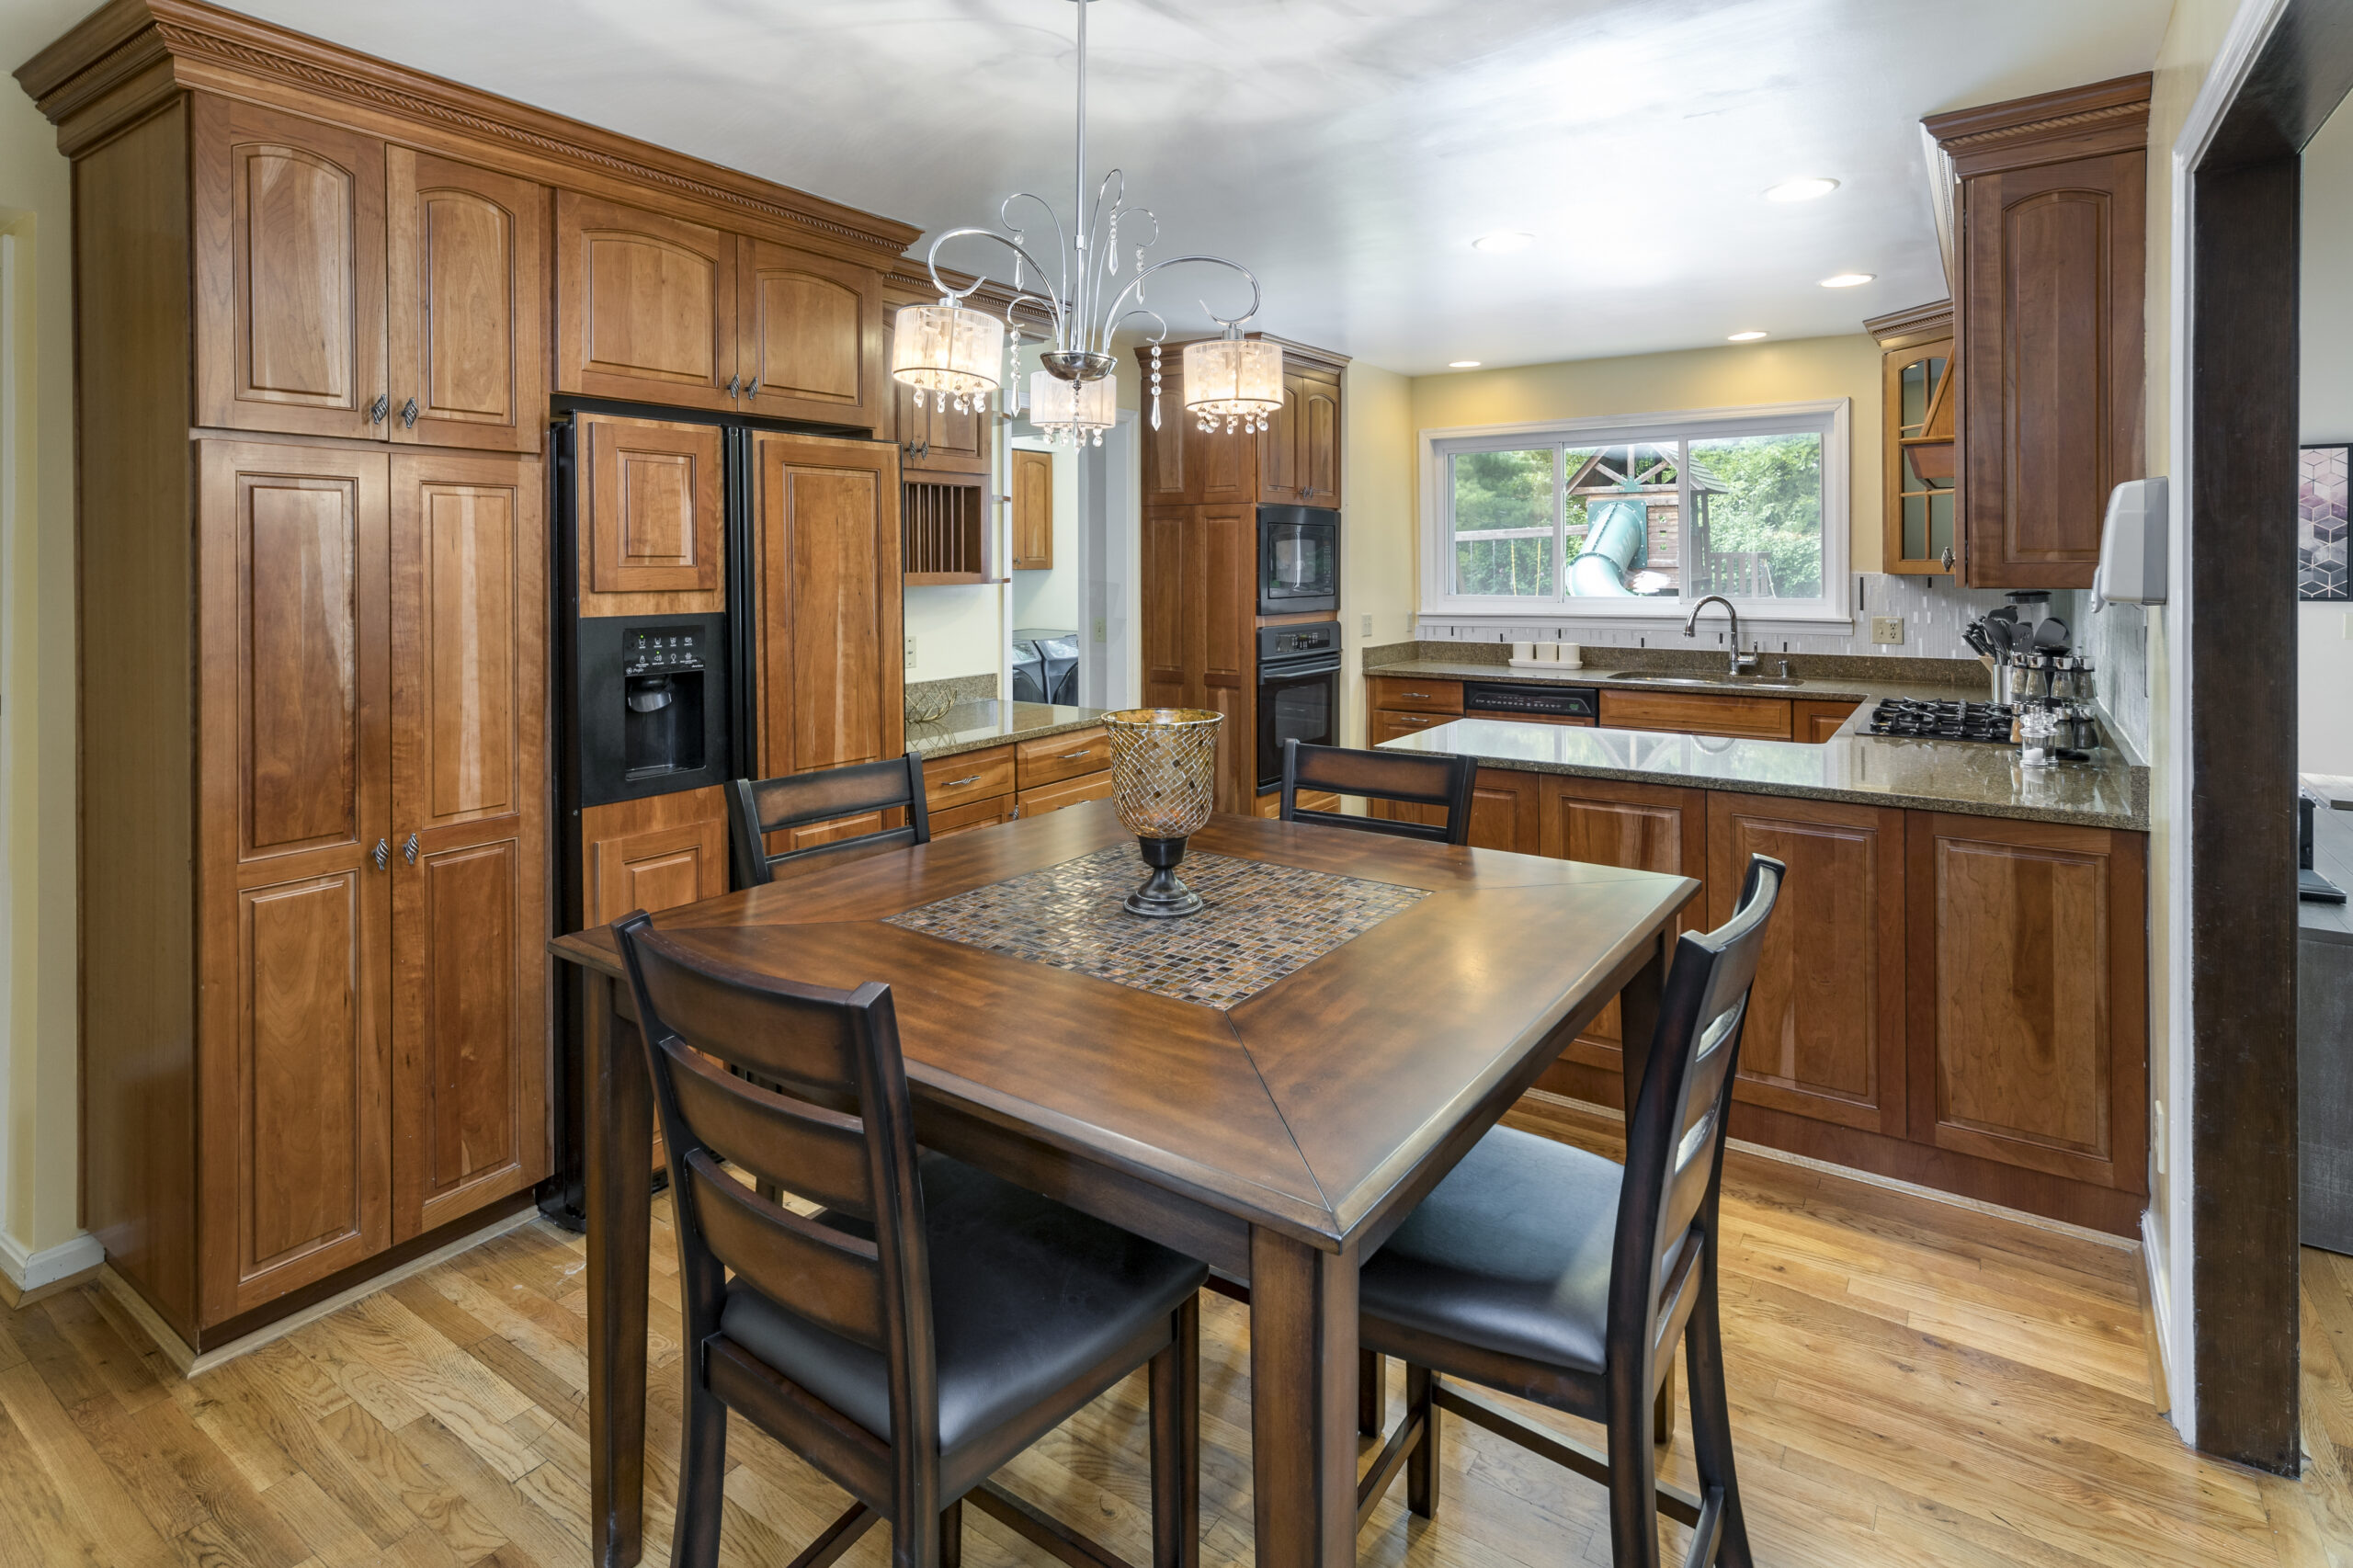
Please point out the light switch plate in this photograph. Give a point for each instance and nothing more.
(1887, 630)
(1368, 625)
(911, 652)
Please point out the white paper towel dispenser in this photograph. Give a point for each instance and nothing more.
(2131, 568)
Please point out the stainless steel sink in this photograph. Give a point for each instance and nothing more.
(1647, 677)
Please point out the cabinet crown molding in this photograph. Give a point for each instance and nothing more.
(1916, 324)
(2073, 122)
(146, 48)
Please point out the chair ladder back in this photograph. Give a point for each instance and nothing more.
(850, 1145)
(1675, 1139)
(1404, 778)
(757, 808)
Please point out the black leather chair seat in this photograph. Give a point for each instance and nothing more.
(1024, 1295)
(1510, 1252)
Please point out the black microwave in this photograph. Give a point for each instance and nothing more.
(1299, 560)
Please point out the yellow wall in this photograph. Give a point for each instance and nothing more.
(1735, 376)
(1376, 547)
(37, 1055)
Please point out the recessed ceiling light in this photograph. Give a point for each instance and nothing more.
(1800, 190)
(1462, 364)
(1504, 239)
(1744, 338)
(1847, 279)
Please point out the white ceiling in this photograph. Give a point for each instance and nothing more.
(1345, 150)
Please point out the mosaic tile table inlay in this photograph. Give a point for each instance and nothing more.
(1260, 921)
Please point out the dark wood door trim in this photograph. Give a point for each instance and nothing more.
(2243, 428)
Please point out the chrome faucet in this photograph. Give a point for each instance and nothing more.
(1742, 663)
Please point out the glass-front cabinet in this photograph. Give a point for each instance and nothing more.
(1920, 513)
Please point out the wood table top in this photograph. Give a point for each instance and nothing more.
(1300, 1108)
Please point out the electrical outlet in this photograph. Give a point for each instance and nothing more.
(1887, 630)
(1368, 625)
(1098, 629)
(911, 652)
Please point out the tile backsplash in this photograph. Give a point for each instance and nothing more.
(1933, 612)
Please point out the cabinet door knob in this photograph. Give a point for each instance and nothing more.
(1947, 558)
(383, 854)
(409, 849)
(754, 390)
(408, 414)
(734, 386)
(376, 409)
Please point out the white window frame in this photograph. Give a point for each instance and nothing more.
(1832, 416)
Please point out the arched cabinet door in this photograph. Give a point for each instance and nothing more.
(288, 216)
(467, 304)
(811, 345)
(645, 305)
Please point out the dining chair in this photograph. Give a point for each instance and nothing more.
(757, 808)
(1413, 779)
(1563, 1277)
(927, 1321)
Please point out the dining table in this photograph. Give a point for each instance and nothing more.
(1268, 1086)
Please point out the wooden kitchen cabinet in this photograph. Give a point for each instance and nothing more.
(1068, 792)
(1919, 399)
(1298, 452)
(812, 343)
(1415, 694)
(288, 223)
(2027, 1000)
(1050, 759)
(1167, 682)
(826, 549)
(1697, 713)
(652, 516)
(374, 736)
(988, 812)
(469, 762)
(1508, 811)
(1033, 510)
(652, 854)
(1816, 723)
(645, 305)
(1642, 827)
(2048, 329)
(1823, 1036)
(959, 780)
(466, 276)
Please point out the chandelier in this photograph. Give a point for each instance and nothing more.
(958, 354)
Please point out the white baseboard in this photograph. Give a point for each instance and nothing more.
(31, 1270)
(2154, 1274)
(190, 1362)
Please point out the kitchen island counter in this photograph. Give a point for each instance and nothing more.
(975, 726)
(1969, 778)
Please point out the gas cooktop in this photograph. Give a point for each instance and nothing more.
(1917, 719)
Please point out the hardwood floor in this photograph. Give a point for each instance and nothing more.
(1912, 1383)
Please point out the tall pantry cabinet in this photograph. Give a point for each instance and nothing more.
(314, 300)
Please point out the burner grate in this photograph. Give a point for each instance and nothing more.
(1916, 719)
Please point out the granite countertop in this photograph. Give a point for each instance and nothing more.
(1902, 678)
(1967, 776)
(975, 726)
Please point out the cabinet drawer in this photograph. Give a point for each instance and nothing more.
(1069, 792)
(1816, 723)
(971, 814)
(1697, 713)
(974, 776)
(1387, 724)
(1051, 759)
(1419, 696)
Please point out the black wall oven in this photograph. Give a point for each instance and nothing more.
(1299, 689)
(1299, 560)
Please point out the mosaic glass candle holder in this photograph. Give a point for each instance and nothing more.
(1164, 766)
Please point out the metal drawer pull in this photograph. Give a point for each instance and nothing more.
(959, 783)
(383, 854)
(376, 409)
(1075, 756)
(1423, 695)
(409, 849)
(408, 414)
